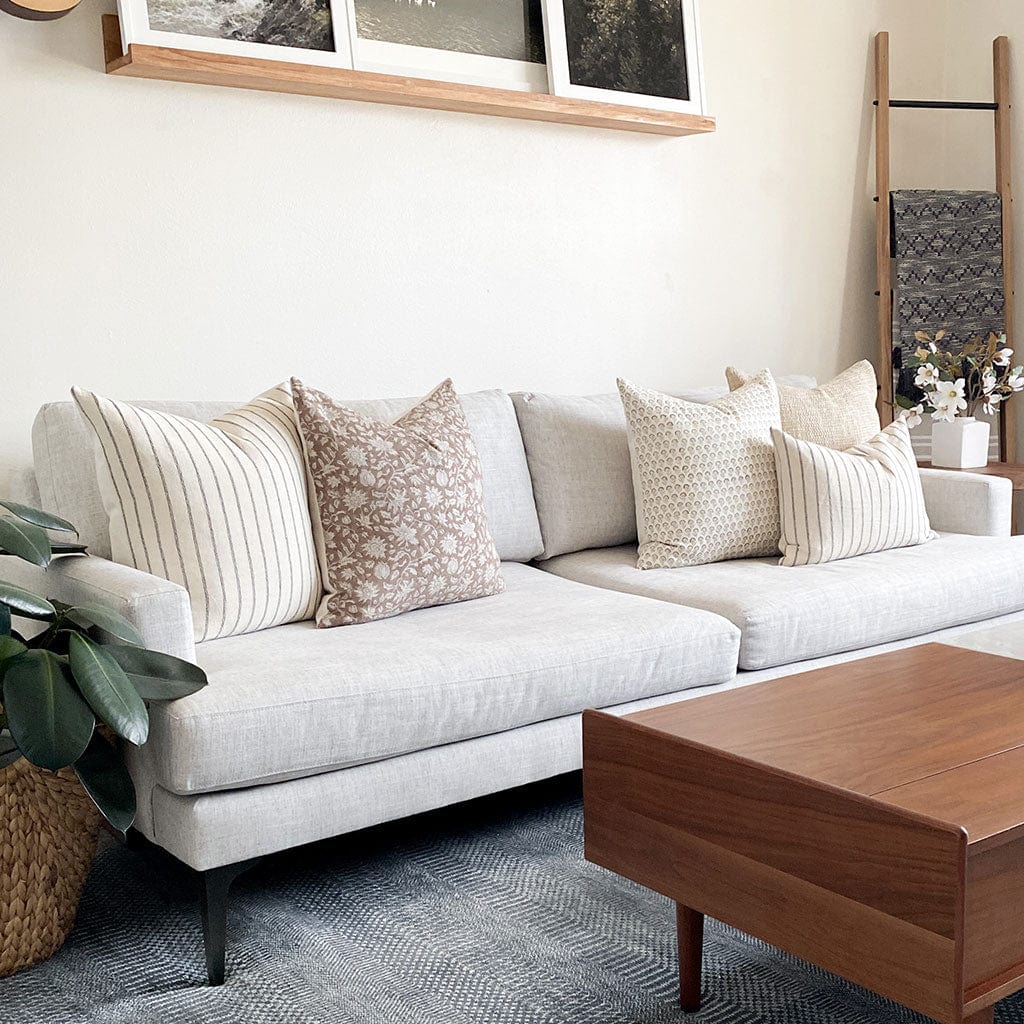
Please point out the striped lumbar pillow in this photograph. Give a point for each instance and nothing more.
(218, 507)
(839, 504)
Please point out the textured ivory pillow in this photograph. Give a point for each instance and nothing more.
(217, 507)
(703, 475)
(838, 414)
(839, 504)
(401, 516)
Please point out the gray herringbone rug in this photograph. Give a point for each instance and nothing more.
(485, 914)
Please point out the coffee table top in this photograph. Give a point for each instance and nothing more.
(935, 729)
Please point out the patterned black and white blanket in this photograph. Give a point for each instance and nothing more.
(947, 249)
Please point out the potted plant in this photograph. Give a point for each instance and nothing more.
(74, 682)
(954, 386)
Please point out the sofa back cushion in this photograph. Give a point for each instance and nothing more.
(63, 452)
(578, 452)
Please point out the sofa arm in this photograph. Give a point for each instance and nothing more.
(158, 609)
(973, 503)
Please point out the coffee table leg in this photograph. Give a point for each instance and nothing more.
(690, 931)
(981, 1017)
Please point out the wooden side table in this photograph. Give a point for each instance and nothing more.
(1013, 471)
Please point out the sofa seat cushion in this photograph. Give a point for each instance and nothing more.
(787, 614)
(294, 700)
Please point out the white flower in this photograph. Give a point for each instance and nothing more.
(912, 417)
(355, 456)
(405, 533)
(927, 376)
(948, 399)
(988, 381)
(992, 403)
(355, 499)
(381, 444)
(1002, 357)
(375, 548)
(432, 497)
(1016, 380)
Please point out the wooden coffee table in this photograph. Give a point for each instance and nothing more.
(867, 817)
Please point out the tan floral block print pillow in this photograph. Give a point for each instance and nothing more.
(401, 515)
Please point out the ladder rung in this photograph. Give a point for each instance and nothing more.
(941, 105)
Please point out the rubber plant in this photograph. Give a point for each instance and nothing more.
(79, 679)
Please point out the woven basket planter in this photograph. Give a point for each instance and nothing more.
(48, 832)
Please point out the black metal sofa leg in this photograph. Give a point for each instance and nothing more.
(214, 886)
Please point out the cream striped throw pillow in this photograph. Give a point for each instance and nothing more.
(839, 504)
(218, 507)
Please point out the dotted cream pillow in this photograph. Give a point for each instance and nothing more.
(838, 414)
(703, 475)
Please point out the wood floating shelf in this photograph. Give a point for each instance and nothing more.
(174, 65)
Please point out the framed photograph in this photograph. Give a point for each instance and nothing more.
(643, 53)
(497, 43)
(297, 31)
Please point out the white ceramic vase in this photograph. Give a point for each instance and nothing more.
(960, 444)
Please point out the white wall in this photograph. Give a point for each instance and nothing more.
(161, 240)
(964, 156)
(968, 145)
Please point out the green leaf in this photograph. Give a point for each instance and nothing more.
(106, 780)
(158, 676)
(108, 690)
(86, 615)
(25, 603)
(25, 540)
(9, 648)
(48, 719)
(46, 520)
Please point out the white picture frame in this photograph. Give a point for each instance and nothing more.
(135, 28)
(561, 81)
(408, 61)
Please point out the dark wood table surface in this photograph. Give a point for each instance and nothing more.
(867, 817)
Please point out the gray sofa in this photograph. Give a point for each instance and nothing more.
(304, 734)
